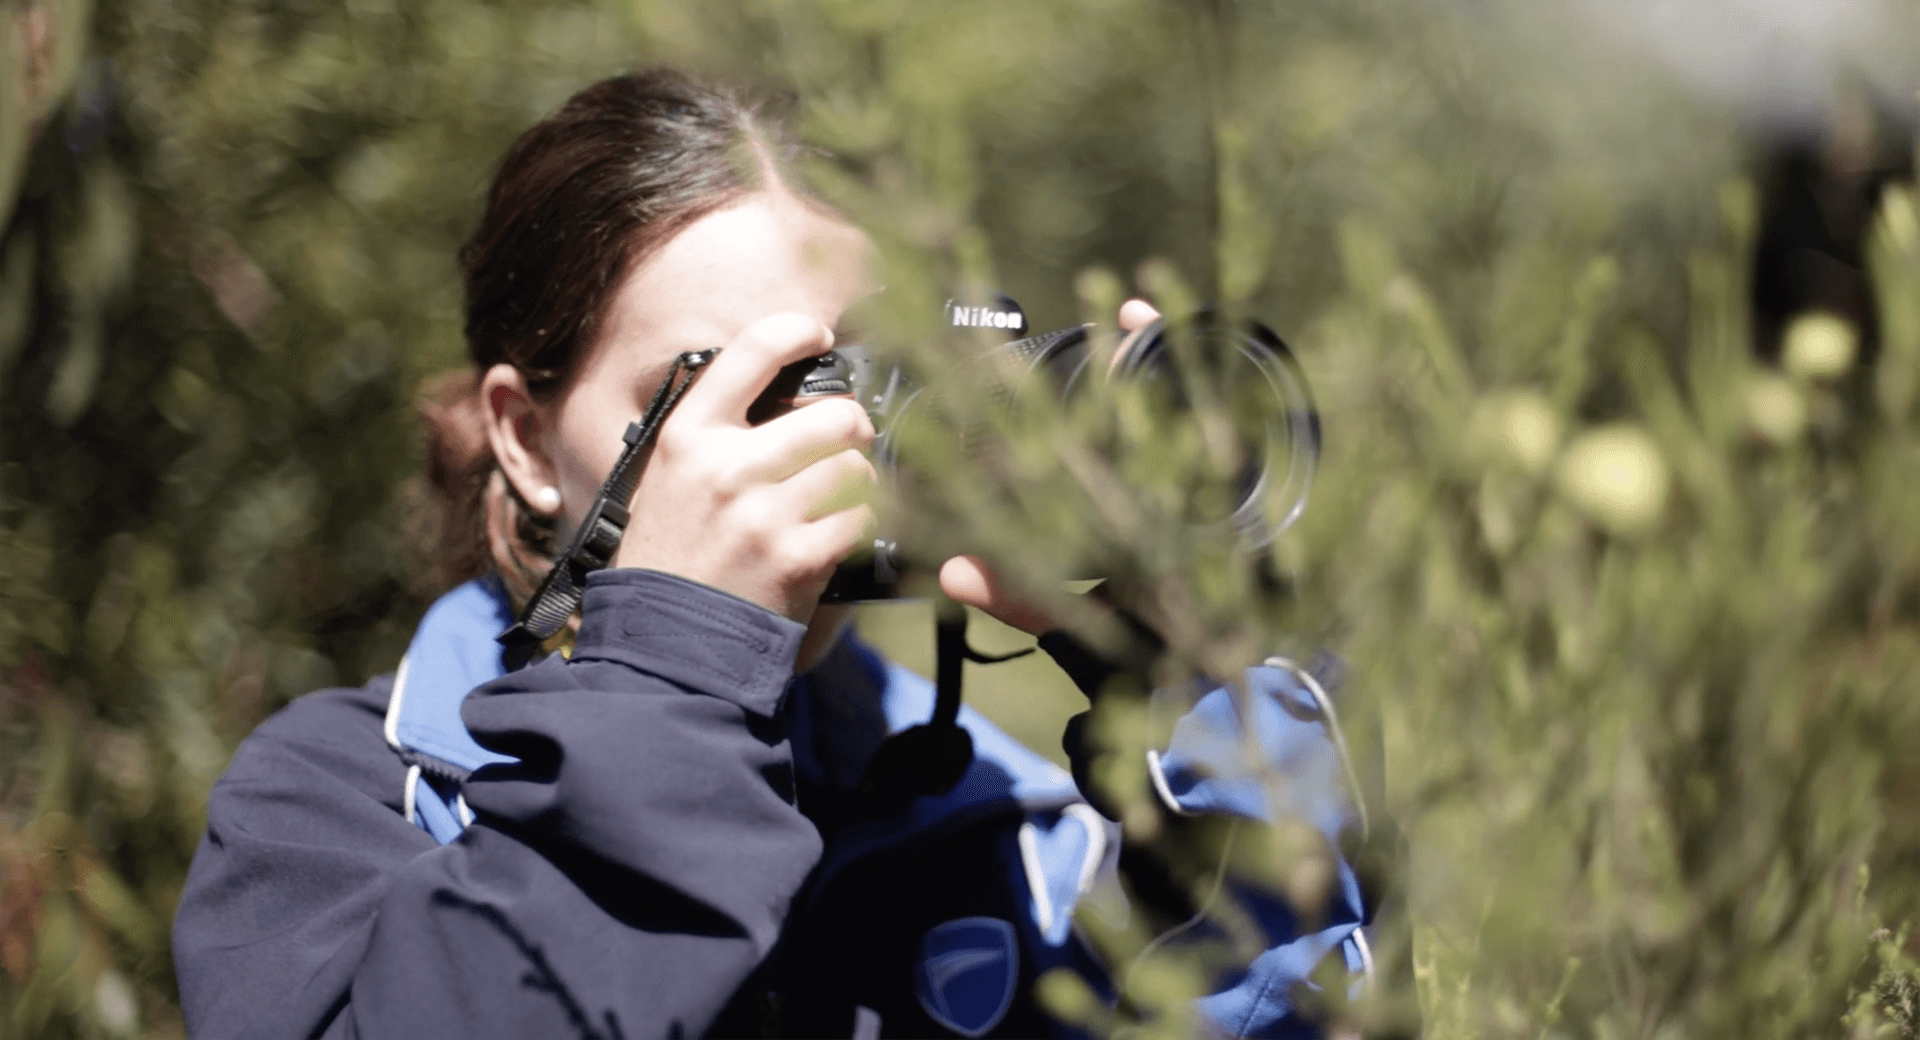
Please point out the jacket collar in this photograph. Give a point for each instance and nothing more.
(454, 651)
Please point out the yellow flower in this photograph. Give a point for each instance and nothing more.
(1820, 346)
(1616, 476)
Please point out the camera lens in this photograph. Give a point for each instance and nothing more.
(1252, 375)
(1199, 370)
(1246, 370)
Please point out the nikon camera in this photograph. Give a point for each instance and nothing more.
(1277, 424)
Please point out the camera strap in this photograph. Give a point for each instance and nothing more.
(929, 759)
(599, 535)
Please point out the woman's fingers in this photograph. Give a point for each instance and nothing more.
(831, 485)
(790, 443)
(813, 549)
(1137, 314)
(821, 544)
(969, 580)
(748, 364)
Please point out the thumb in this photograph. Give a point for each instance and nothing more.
(969, 580)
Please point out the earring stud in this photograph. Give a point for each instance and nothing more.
(547, 499)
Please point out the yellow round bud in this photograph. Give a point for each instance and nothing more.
(1518, 428)
(1819, 346)
(1903, 224)
(1615, 475)
(1529, 430)
(1775, 409)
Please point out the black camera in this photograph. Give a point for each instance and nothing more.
(1277, 425)
(1271, 410)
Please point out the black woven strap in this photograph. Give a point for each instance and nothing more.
(932, 757)
(600, 532)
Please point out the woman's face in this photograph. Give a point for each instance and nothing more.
(766, 254)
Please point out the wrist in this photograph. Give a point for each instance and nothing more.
(694, 635)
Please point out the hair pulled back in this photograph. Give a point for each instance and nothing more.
(580, 199)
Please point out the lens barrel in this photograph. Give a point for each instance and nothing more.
(1241, 361)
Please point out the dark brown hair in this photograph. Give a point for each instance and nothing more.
(580, 199)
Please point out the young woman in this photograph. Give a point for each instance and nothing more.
(659, 834)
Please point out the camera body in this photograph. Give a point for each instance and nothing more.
(1280, 442)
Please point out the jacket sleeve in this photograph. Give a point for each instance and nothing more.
(1303, 772)
(621, 879)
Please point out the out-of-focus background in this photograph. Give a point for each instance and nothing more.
(1612, 310)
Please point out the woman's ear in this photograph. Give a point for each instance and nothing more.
(516, 428)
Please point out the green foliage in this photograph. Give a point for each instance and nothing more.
(1662, 676)
(1632, 615)
(236, 239)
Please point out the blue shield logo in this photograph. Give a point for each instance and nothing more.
(966, 974)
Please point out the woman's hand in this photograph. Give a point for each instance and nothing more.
(970, 580)
(763, 512)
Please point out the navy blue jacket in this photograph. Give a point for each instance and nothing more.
(639, 850)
